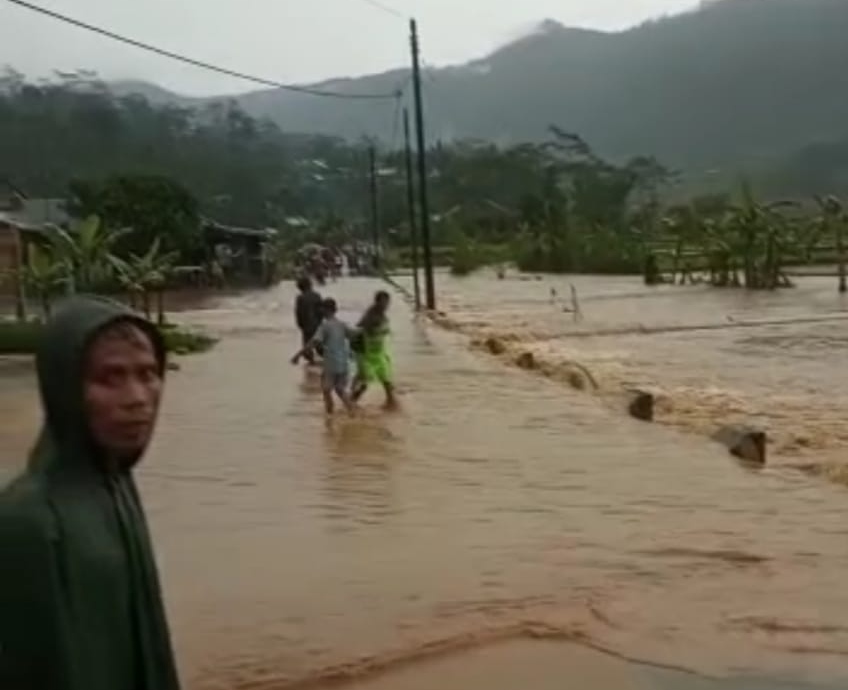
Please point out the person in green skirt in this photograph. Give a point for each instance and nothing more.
(373, 360)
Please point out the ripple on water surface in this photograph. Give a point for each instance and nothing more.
(496, 505)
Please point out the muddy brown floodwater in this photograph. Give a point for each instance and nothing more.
(498, 507)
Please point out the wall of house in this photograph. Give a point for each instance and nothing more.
(9, 252)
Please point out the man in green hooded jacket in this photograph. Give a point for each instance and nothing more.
(80, 603)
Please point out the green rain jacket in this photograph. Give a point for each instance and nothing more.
(80, 604)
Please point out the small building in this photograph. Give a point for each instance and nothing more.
(244, 255)
(15, 237)
(16, 204)
(22, 220)
(11, 254)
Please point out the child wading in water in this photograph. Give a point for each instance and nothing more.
(373, 361)
(333, 335)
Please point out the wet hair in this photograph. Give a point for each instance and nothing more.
(329, 306)
(304, 284)
(375, 316)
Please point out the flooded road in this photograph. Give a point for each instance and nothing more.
(498, 506)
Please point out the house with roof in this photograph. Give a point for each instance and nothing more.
(244, 255)
(22, 219)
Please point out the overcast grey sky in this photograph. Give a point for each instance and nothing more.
(286, 40)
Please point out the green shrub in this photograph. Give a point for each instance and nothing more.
(181, 341)
(467, 258)
(470, 255)
(601, 253)
(17, 338)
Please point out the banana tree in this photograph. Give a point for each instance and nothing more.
(831, 222)
(44, 275)
(722, 260)
(760, 235)
(87, 249)
(144, 275)
(685, 226)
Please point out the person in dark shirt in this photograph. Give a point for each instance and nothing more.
(334, 334)
(308, 313)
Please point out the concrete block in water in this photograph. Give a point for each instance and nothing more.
(526, 360)
(575, 380)
(641, 405)
(495, 346)
(743, 442)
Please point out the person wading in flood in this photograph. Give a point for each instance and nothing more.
(80, 603)
(308, 314)
(333, 334)
(373, 361)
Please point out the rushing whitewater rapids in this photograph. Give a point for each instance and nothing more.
(500, 507)
(711, 356)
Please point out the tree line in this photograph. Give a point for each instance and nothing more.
(551, 206)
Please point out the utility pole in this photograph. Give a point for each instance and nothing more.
(375, 205)
(422, 170)
(840, 252)
(410, 200)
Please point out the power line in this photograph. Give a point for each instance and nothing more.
(199, 63)
(386, 8)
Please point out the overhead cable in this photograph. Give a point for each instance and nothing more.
(200, 63)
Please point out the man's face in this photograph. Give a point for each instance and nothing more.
(122, 387)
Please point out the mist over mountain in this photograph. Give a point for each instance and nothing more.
(734, 84)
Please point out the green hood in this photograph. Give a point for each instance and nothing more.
(65, 443)
(79, 591)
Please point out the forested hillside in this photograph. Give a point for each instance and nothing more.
(736, 84)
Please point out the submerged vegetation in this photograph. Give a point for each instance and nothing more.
(747, 243)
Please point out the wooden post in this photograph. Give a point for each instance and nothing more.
(410, 201)
(375, 205)
(20, 267)
(840, 250)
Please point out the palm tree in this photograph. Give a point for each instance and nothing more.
(142, 275)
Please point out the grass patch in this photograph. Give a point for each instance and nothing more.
(182, 341)
(21, 338)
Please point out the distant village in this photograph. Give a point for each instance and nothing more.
(235, 256)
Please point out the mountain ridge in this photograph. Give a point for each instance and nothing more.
(731, 84)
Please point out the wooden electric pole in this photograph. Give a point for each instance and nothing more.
(430, 287)
(410, 200)
(375, 205)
